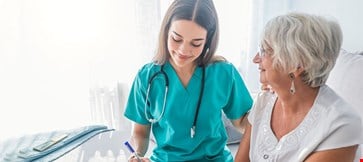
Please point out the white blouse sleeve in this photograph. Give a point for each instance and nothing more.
(344, 128)
(258, 106)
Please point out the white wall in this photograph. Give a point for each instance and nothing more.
(347, 12)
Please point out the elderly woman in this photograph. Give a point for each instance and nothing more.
(302, 119)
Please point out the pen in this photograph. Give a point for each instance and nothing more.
(128, 145)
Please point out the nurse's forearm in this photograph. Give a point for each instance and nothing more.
(141, 144)
(140, 138)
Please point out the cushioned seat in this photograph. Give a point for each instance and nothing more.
(347, 80)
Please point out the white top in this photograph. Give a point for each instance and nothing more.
(330, 123)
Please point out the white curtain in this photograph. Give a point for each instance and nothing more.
(261, 12)
(109, 93)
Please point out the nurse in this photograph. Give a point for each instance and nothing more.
(181, 94)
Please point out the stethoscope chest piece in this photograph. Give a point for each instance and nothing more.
(192, 132)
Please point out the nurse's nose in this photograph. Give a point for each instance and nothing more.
(185, 48)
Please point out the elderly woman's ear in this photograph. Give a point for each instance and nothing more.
(297, 71)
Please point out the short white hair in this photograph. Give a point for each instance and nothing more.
(303, 40)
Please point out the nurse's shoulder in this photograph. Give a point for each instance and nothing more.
(148, 69)
(222, 67)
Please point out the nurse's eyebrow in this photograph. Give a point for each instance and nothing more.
(196, 39)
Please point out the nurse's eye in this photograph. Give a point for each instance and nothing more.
(196, 45)
(176, 39)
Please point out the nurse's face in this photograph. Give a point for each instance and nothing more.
(186, 41)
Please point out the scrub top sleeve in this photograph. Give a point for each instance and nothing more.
(136, 101)
(240, 100)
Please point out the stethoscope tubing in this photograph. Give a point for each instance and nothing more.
(154, 120)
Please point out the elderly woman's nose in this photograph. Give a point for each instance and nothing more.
(256, 59)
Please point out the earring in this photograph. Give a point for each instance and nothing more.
(292, 88)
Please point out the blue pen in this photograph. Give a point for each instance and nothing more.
(132, 151)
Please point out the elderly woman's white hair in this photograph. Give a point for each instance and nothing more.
(302, 40)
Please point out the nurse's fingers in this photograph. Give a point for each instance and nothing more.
(140, 159)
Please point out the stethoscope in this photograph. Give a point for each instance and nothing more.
(162, 72)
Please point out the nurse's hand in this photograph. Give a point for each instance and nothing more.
(133, 158)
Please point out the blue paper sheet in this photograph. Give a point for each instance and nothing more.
(21, 149)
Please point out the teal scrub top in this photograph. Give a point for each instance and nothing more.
(224, 90)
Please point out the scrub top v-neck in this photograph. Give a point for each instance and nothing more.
(172, 132)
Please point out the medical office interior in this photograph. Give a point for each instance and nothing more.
(70, 63)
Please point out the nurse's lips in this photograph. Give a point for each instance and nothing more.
(181, 56)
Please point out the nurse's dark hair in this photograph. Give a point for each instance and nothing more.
(203, 13)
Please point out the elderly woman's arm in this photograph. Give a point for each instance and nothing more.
(345, 154)
(244, 146)
(241, 123)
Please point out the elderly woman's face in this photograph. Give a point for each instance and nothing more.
(269, 75)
